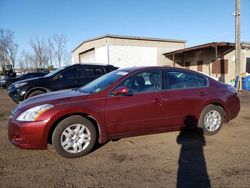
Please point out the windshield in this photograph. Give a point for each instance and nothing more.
(20, 76)
(8, 67)
(54, 72)
(103, 82)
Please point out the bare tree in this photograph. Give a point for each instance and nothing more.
(4, 40)
(26, 61)
(67, 58)
(12, 53)
(21, 61)
(8, 48)
(40, 53)
(51, 52)
(58, 43)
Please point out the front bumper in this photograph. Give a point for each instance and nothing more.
(2, 85)
(27, 135)
(15, 94)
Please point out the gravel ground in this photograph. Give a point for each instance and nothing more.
(176, 159)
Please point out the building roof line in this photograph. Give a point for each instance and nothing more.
(128, 37)
(202, 46)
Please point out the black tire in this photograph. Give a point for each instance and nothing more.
(208, 110)
(74, 139)
(35, 93)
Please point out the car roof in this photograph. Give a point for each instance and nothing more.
(36, 73)
(156, 67)
(135, 69)
(89, 64)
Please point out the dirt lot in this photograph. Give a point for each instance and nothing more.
(176, 159)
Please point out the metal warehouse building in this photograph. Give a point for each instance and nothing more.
(125, 51)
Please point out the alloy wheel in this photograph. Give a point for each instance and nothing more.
(75, 138)
(212, 120)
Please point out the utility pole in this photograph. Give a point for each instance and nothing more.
(237, 44)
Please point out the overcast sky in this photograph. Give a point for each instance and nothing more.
(197, 21)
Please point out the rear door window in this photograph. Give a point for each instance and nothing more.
(87, 71)
(98, 71)
(181, 80)
(91, 71)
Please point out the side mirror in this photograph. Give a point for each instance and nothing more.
(123, 90)
(57, 77)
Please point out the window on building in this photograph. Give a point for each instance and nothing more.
(248, 65)
(187, 64)
(199, 66)
(220, 66)
(180, 63)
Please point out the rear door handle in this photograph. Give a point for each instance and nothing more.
(203, 93)
(158, 101)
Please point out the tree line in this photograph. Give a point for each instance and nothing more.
(43, 53)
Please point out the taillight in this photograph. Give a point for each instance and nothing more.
(231, 89)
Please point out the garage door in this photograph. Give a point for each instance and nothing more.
(88, 57)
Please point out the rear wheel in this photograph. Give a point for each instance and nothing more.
(34, 93)
(74, 137)
(211, 119)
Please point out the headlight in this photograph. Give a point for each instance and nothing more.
(34, 113)
(17, 85)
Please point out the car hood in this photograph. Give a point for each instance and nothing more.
(57, 97)
(29, 80)
(10, 79)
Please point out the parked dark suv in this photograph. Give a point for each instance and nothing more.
(73, 76)
(4, 83)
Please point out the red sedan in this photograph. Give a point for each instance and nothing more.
(126, 102)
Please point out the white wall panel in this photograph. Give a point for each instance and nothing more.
(129, 56)
(101, 55)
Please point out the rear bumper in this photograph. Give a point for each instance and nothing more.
(27, 135)
(233, 107)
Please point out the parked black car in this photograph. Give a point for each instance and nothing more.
(73, 76)
(5, 82)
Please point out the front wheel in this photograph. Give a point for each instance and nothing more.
(35, 93)
(74, 137)
(211, 119)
